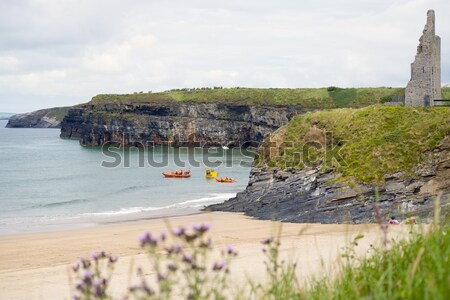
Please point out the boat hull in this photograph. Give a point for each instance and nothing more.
(211, 175)
(223, 180)
(173, 175)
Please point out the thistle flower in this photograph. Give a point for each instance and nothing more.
(172, 267)
(230, 250)
(113, 259)
(179, 231)
(76, 267)
(188, 259)
(206, 244)
(201, 228)
(267, 241)
(95, 256)
(87, 277)
(163, 236)
(218, 266)
(85, 263)
(147, 239)
(76, 297)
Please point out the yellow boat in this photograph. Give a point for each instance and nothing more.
(211, 174)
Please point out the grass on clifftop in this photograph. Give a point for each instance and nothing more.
(58, 112)
(366, 143)
(308, 97)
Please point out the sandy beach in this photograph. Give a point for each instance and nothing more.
(36, 266)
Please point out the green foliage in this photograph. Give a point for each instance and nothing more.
(331, 88)
(446, 93)
(342, 97)
(308, 97)
(417, 268)
(58, 112)
(361, 143)
(385, 99)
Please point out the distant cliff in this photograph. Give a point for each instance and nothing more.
(208, 116)
(44, 118)
(181, 124)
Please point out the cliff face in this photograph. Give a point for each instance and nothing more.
(328, 166)
(312, 197)
(44, 118)
(181, 124)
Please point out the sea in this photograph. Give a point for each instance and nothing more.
(48, 183)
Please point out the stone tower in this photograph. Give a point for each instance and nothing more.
(425, 84)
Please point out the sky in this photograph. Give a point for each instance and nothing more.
(64, 52)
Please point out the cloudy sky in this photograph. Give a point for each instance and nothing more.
(63, 52)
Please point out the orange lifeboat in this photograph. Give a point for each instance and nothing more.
(225, 179)
(177, 174)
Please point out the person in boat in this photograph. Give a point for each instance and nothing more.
(393, 221)
(208, 172)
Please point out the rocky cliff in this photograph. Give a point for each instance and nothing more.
(44, 118)
(313, 196)
(181, 124)
(398, 157)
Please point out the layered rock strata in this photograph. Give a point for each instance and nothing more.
(180, 124)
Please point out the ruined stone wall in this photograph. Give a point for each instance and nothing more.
(425, 83)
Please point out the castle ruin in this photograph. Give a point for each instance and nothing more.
(425, 84)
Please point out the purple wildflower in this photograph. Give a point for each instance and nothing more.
(230, 250)
(267, 241)
(179, 231)
(148, 239)
(144, 238)
(218, 266)
(163, 236)
(76, 297)
(188, 259)
(98, 288)
(76, 267)
(85, 263)
(113, 259)
(171, 266)
(201, 228)
(178, 248)
(87, 277)
(95, 256)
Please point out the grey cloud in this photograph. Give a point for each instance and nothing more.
(66, 51)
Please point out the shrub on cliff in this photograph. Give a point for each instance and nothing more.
(364, 143)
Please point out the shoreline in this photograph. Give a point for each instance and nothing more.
(36, 265)
(108, 217)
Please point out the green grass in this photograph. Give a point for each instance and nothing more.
(417, 268)
(307, 97)
(364, 144)
(446, 93)
(58, 112)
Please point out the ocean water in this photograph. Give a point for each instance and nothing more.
(47, 183)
